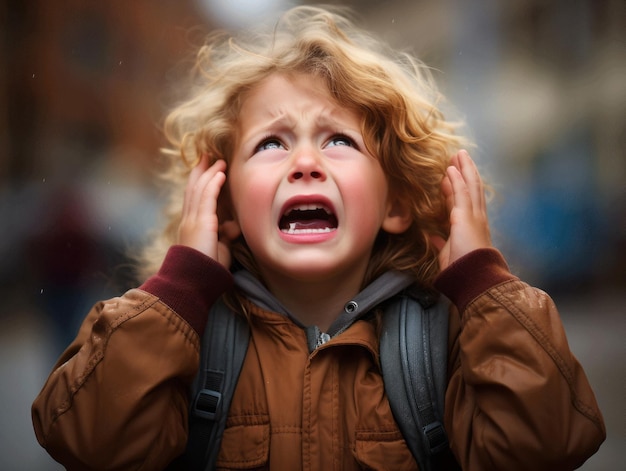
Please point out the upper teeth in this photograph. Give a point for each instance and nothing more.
(308, 207)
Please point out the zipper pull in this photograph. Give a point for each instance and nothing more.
(322, 338)
(315, 338)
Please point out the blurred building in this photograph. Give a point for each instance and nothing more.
(542, 87)
(83, 90)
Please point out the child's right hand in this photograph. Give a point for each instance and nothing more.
(200, 227)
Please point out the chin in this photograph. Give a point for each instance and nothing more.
(318, 271)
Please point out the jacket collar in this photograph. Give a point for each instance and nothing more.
(381, 289)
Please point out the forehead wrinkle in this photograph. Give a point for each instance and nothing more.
(319, 109)
(330, 117)
(325, 117)
(280, 117)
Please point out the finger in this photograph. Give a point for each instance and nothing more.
(198, 170)
(199, 226)
(209, 173)
(454, 161)
(473, 180)
(460, 196)
(192, 180)
(204, 188)
(208, 188)
(448, 193)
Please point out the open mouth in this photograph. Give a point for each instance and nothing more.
(308, 219)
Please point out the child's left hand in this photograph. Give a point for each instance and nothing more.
(465, 199)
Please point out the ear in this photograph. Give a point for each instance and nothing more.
(397, 218)
(230, 229)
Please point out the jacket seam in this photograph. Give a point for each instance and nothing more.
(307, 418)
(190, 334)
(77, 385)
(335, 416)
(497, 294)
(261, 454)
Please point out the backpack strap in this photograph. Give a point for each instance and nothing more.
(413, 347)
(224, 347)
(413, 357)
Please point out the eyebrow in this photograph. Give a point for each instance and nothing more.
(325, 118)
(281, 117)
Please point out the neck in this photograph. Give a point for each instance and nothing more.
(314, 302)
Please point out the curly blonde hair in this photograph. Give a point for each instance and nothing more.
(393, 92)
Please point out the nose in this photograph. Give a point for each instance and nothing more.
(307, 165)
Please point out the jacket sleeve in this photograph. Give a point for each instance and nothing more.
(517, 398)
(117, 397)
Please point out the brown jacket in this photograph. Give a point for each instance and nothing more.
(516, 399)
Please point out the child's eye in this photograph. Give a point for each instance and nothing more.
(269, 143)
(341, 140)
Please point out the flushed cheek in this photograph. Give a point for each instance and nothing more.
(365, 203)
(253, 207)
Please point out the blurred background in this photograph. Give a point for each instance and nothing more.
(83, 88)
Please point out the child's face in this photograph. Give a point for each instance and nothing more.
(307, 195)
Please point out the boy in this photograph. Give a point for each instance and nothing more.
(322, 167)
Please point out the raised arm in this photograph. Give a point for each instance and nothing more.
(118, 396)
(517, 398)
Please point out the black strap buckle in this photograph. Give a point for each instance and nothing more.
(206, 403)
(437, 438)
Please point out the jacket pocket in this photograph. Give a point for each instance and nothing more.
(245, 444)
(383, 451)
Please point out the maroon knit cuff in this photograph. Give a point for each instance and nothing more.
(472, 275)
(189, 282)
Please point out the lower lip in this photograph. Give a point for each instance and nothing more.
(310, 238)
